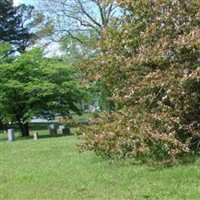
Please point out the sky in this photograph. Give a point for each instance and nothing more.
(52, 49)
(17, 2)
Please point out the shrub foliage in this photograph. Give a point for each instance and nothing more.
(149, 60)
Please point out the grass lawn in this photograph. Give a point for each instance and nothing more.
(50, 168)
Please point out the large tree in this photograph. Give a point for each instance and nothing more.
(72, 16)
(78, 24)
(21, 25)
(35, 86)
(15, 24)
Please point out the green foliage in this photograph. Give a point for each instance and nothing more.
(150, 63)
(22, 26)
(35, 86)
(15, 24)
(79, 28)
(5, 49)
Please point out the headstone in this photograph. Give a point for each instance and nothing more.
(53, 131)
(66, 131)
(35, 135)
(60, 128)
(83, 121)
(11, 135)
(51, 126)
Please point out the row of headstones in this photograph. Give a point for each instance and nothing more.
(52, 130)
(62, 129)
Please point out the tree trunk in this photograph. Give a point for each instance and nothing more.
(3, 126)
(24, 129)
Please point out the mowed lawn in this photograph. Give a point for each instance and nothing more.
(51, 168)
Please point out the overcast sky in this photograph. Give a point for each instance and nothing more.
(17, 2)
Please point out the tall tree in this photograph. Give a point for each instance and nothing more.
(78, 24)
(72, 16)
(18, 26)
(5, 49)
(15, 24)
(21, 25)
(35, 86)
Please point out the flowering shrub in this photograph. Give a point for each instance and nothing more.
(150, 63)
(121, 137)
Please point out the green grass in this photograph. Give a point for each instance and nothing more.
(83, 116)
(50, 168)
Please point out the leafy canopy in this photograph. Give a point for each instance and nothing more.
(35, 86)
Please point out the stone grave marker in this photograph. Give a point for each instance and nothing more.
(66, 131)
(51, 126)
(60, 128)
(53, 131)
(35, 135)
(11, 135)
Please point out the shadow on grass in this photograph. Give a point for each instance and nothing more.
(185, 160)
(52, 136)
(152, 165)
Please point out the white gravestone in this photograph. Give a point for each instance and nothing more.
(60, 128)
(11, 135)
(35, 136)
(51, 126)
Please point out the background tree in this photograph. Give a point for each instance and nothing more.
(14, 24)
(35, 86)
(4, 58)
(82, 16)
(78, 24)
(21, 25)
(151, 65)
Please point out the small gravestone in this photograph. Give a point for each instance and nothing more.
(66, 131)
(51, 126)
(11, 135)
(53, 131)
(60, 128)
(35, 135)
(83, 121)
